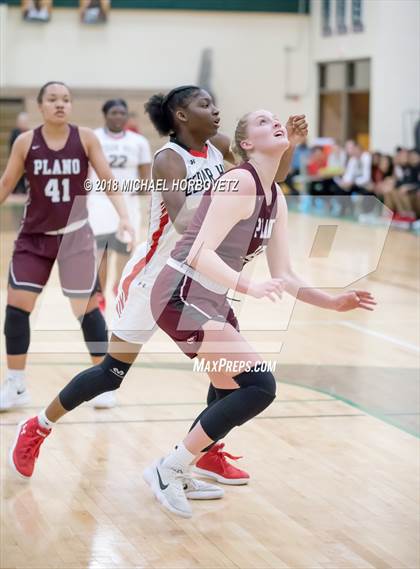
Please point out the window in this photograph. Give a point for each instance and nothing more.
(362, 74)
(356, 15)
(335, 76)
(340, 16)
(344, 99)
(326, 17)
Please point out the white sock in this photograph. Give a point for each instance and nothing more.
(180, 457)
(17, 376)
(44, 421)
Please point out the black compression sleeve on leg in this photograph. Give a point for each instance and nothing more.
(221, 393)
(257, 390)
(17, 331)
(94, 332)
(107, 376)
(211, 394)
(218, 395)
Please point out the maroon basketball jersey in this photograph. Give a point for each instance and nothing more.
(246, 239)
(56, 192)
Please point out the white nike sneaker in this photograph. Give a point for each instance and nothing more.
(194, 488)
(105, 400)
(13, 395)
(199, 490)
(168, 487)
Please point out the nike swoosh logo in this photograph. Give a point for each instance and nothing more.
(35, 147)
(20, 392)
(161, 484)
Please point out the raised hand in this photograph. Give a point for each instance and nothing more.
(297, 129)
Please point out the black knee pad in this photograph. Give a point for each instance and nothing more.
(107, 376)
(257, 390)
(16, 330)
(94, 332)
(264, 381)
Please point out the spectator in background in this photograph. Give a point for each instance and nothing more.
(400, 160)
(94, 11)
(376, 156)
(336, 162)
(22, 125)
(355, 181)
(321, 171)
(358, 172)
(37, 10)
(417, 136)
(403, 198)
(382, 175)
(316, 163)
(300, 158)
(298, 167)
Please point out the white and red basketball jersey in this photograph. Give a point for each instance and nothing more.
(134, 321)
(125, 152)
(202, 167)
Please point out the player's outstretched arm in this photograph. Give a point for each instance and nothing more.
(280, 266)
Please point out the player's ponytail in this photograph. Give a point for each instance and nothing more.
(240, 135)
(161, 108)
(160, 117)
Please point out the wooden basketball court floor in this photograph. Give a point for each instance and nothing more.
(334, 461)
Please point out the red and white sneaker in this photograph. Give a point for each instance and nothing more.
(214, 465)
(101, 302)
(25, 450)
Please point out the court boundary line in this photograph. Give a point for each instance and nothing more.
(375, 415)
(380, 335)
(185, 367)
(190, 419)
(183, 403)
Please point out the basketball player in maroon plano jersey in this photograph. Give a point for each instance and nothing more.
(189, 301)
(55, 159)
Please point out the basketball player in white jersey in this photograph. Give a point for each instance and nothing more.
(195, 152)
(129, 157)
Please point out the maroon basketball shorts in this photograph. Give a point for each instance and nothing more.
(34, 255)
(180, 306)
